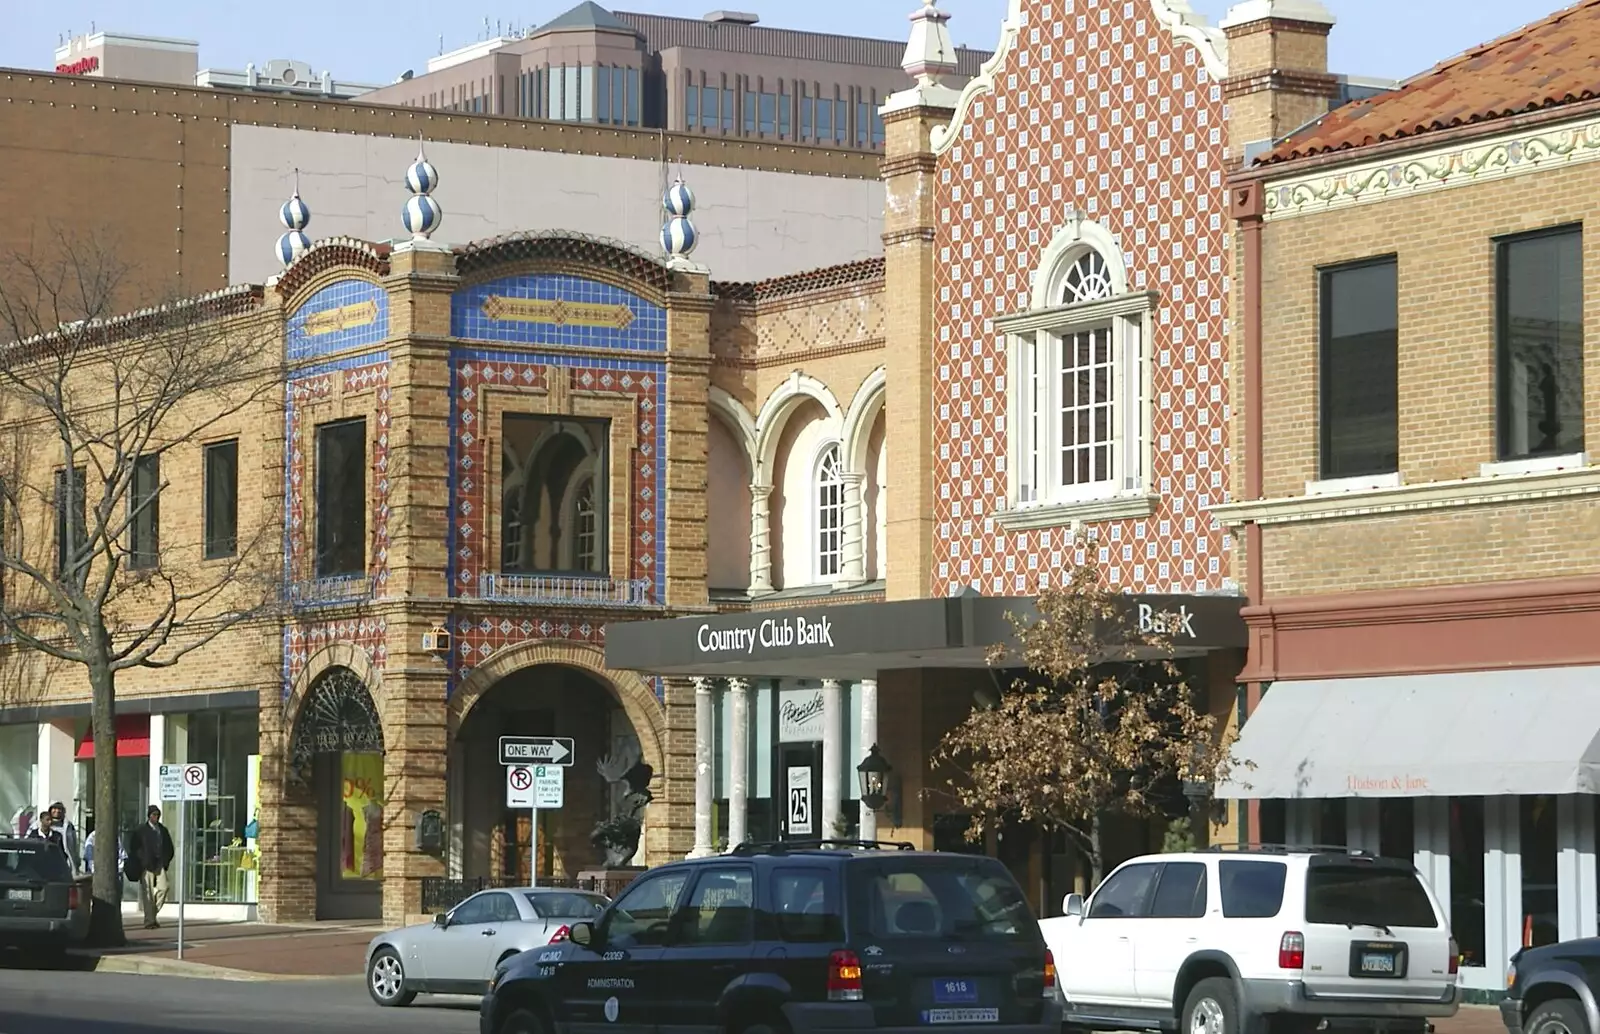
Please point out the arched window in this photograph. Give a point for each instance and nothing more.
(1079, 397)
(587, 528)
(830, 512)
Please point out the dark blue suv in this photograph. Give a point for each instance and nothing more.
(794, 938)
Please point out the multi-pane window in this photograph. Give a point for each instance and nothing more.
(807, 102)
(1078, 393)
(769, 113)
(824, 120)
(785, 101)
(72, 524)
(749, 112)
(222, 499)
(553, 494)
(144, 512)
(1360, 414)
(830, 512)
(341, 479)
(1540, 344)
(587, 528)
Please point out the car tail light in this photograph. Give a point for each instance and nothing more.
(1455, 957)
(844, 977)
(74, 898)
(560, 935)
(1292, 951)
(1049, 974)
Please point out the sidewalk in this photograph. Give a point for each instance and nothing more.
(243, 951)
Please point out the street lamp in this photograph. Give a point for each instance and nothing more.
(873, 773)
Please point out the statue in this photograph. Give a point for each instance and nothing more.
(618, 836)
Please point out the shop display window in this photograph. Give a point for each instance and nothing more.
(218, 863)
(1541, 910)
(1467, 878)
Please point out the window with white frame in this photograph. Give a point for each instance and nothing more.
(829, 512)
(1079, 392)
(588, 528)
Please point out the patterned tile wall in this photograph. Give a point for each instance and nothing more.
(558, 310)
(345, 315)
(302, 640)
(1097, 108)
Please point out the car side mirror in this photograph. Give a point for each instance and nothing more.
(1073, 905)
(441, 920)
(582, 934)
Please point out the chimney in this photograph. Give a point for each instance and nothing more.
(1278, 77)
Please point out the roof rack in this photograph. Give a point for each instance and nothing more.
(1354, 852)
(785, 846)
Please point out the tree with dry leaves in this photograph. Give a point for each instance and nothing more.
(1100, 720)
(92, 584)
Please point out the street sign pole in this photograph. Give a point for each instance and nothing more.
(183, 806)
(192, 788)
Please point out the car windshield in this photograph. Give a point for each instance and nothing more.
(1367, 895)
(41, 863)
(566, 905)
(918, 899)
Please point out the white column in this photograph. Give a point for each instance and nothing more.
(1431, 822)
(704, 731)
(739, 764)
(1361, 825)
(869, 736)
(1502, 883)
(158, 757)
(58, 749)
(1575, 876)
(760, 538)
(853, 543)
(832, 749)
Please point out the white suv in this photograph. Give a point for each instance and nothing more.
(1212, 941)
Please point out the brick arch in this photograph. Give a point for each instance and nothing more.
(336, 655)
(633, 693)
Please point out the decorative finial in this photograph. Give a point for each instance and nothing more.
(295, 216)
(930, 56)
(422, 214)
(678, 236)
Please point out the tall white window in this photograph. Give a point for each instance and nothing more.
(1078, 387)
(587, 527)
(830, 512)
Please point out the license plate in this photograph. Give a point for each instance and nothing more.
(19, 895)
(1377, 962)
(955, 992)
(961, 1016)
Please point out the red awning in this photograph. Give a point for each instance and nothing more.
(133, 738)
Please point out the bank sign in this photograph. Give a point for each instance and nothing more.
(764, 634)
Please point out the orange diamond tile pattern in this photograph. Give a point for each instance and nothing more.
(1097, 108)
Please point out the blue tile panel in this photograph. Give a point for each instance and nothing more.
(348, 314)
(558, 322)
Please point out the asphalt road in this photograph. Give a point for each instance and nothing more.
(118, 1003)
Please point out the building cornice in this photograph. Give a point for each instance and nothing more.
(1458, 163)
(1078, 313)
(1497, 490)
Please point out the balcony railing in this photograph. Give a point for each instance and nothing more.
(324, 592)
(565, 589)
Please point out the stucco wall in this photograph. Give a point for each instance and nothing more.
(753, 224)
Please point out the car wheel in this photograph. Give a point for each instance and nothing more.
(1212, 1008)
(386, 979)
(522, 1021)
(1557, 1016)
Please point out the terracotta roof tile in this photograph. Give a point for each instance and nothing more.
(861, 271)
(1546, 64)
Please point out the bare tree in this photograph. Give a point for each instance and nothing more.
(1101, 721)
(92, 582)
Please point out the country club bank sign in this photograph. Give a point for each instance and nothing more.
(768, 634)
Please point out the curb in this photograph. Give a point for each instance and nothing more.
(149, 966)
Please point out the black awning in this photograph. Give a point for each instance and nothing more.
(858, 640)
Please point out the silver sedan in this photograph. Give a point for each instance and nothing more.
(459, 951)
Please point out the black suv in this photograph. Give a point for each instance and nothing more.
(798, 937)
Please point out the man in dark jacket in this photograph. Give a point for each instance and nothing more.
(150, 852)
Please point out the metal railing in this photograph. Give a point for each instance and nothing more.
(582, 590)
(322, 592)
(441, 894)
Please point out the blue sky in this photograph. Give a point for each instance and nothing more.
(364, 41)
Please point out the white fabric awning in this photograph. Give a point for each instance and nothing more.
(1481, 733)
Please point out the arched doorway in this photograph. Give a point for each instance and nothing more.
(607, 784)
(337, 750)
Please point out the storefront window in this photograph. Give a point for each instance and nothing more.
(218, 862)
(1541, 911)
(1273, 815)
(1466, 878)
(361, 839)
(19, 747)
(1397, 827)
(1332, 813)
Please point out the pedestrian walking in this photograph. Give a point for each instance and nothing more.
(44, 829)
(59, 822)
(150, 852)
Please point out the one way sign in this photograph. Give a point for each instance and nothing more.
(535, 750)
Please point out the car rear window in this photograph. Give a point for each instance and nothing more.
(806, 905)
(43, 863)
(1367, 895)
(548, 905)
(916, 899)
(1251, 888)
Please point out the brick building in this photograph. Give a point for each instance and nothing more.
(1417, 500)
